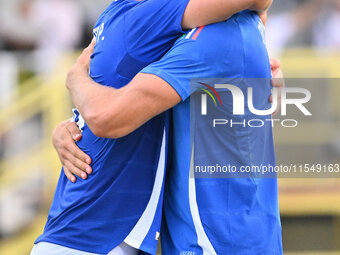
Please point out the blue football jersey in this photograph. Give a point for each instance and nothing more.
(122, 199)
(238, 216)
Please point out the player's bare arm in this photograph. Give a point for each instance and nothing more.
(73, 159)
(114, 113)
(201, 12)
(195, 15)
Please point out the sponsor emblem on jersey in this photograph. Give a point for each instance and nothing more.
(157, 236)
(98, 31)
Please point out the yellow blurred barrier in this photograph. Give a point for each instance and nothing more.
(310, 63)
(311, 196)
(49, 100)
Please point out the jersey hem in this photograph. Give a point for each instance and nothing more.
(47, 240)
(134, 242)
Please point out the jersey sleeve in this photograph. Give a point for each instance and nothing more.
(187, 63)
(152, 27)
(202, 55)
(177, 67)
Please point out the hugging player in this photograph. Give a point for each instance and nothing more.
(119, 206)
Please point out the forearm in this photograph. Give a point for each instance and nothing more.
(90, 98)
(201, 12)
(114, 113)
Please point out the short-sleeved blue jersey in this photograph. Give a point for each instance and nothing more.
(122, 199)
(238, 216)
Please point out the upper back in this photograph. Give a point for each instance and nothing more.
(132, 34)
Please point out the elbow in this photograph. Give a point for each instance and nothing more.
(189, 23)
(95, 121)
(97, 129)
(103, 132)
(261, 5)
(106, 124)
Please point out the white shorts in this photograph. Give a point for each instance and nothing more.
(44, 248)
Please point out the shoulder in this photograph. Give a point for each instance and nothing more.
(212, 44)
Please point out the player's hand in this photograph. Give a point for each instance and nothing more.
(277, 81)
(80, 69)
(85, 58)
(74, 160)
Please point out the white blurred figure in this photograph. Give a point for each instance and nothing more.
(59, 25)
(16, 26)
(282, 28)
(51, 27)
(326, 33)
(12, 29)
(9, 70)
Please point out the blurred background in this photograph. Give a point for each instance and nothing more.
(39, 40)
